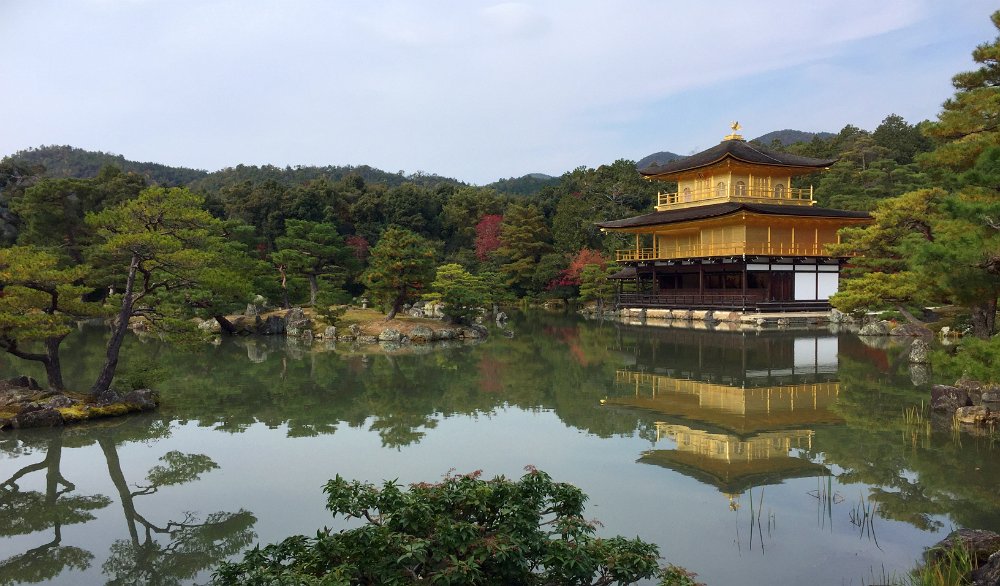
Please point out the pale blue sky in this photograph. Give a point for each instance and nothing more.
(472, 90)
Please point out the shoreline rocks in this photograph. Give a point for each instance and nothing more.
(24, 404)
(972, 405)
(298, 325)
(983, 548)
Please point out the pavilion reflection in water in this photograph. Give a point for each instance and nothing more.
(734, 408)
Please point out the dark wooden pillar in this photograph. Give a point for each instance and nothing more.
(744, 286)
(701, 281)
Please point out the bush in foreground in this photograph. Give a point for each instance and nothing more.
(462, 530)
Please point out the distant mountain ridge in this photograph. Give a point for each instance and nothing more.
(784, 137)
(64, 161)
(525, 185)
(789, 137)
(657, 159)
(67, 161)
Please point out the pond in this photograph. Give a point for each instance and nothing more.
(764, 457)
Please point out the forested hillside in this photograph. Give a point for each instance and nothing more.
(534, 233)
(789, 137)
(525, 185)
(71, 162)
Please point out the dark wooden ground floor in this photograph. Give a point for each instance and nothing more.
(761, 285)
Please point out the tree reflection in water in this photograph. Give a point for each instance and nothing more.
(24, 512)
(173, 551)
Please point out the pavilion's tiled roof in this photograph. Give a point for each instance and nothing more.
(739, 150)
(724, 209)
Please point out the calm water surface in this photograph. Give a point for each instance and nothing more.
(750, 458)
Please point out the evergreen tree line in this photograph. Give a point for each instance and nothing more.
(532, 245)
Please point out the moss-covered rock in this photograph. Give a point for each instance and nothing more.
(23, 406)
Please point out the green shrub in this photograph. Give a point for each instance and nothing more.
(973, 358)
(462, 530)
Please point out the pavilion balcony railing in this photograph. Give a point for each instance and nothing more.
(723, 249)
(777, 194)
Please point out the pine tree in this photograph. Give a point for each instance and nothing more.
(401, 265)
(524, 238)
(39, 305)
(315, 251)
(166, 255)
(969, 122)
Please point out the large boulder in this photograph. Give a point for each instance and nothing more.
(390, 335)
(919, 352)
(911, 330)
(980, 544)
(948, 399)
(297, 324)
(445, 334)
(23, 381)
(107, 397)
(875, 328)
(273, 325)
(973, 387)
(988, 574)
(294, 314)
(36, 416)
(61, 402)
(421, 334)
(975, 415)
(142, 399)
(475, 331)
(839, 317)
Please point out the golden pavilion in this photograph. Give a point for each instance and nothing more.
(737, 234)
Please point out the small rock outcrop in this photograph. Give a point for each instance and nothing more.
(273, 325)
(988, 574)
(24, 407)
(390, 335)
(919, 352)
(297, 324)
(983, 548)
(911, 330)
(948, 399)
(421, 334)
(976, 415)
(23, 381)
(875, 328)
(35, 415)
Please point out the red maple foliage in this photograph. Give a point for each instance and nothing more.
(570, 277)
(488, 235)
(360, 246)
